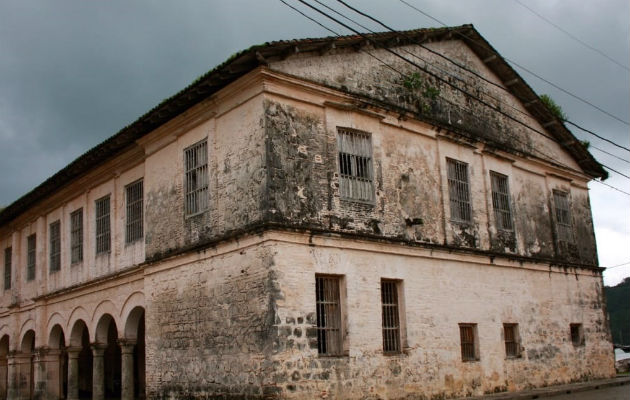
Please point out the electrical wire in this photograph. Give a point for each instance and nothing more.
(569, 34)
(525, 69)
(548, 158)
(619, 265)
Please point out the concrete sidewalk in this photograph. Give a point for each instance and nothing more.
(555, 390)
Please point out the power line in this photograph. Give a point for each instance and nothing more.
(456, 87)
(460, 66)
(610, 154)
(569, 34)
(526, 69)
(545, 156)
(618, 265)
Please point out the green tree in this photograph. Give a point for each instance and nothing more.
(618, 305)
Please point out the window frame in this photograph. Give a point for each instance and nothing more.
(501, 201)
(355, 154)
(8, 267)
(134, 212)
(563, 218)
(513, 343)
(196, 199)
(76, 236)
(391, 320)
(54, 254)
(460, 199)
(576, 334)
(330, 345)
(469, 343)
(31, 257)
(102, 225)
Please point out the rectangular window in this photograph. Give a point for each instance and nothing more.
(458, 190)
(55, 246)
(196, 184)
(501, 201)
(468, 339)
(31, 244)
(76, 236)
(103, 227)
(512, 343)
(7, 268)
(134, 228)
(577, 335)
(355, 165)
(563, 216)
(327, 298)
(391, 316)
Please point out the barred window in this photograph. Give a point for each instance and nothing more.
(563, 216)
(512, 343)
(327, 298)
(501, 201)
(7, 267)
(196, 185)
(355, 165)
(458, 190)
(103, 227)
(134, 228)
(31, 244)
(577, 335)
(391, 316)
(468, 339)
(55, 246)
(76, 236)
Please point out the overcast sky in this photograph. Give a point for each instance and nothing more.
(73, 73)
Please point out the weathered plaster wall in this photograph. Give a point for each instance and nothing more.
(411, 185)
(236, 173)
(439, 292)
(358, 72)
(212, 326)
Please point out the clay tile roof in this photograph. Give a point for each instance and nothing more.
(245, 61)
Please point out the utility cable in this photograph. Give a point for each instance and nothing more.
(546, 157)
(468, 70)
(569, 34)
(618, 265)
(525, 69)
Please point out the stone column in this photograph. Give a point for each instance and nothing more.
(39, 373)
(73, 373)
(24, 376)
(126, 370)
(98, 371)
(53, 375)
(12, 376)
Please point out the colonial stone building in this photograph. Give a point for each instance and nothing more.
(314, 218)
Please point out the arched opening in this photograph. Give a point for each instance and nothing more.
(134, 330)
(4, 369)
(107, 334)
(80, 341)
(57, 368)
(26, 374)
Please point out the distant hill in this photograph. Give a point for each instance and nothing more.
(618, 305)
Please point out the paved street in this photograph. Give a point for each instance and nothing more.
(611, 393)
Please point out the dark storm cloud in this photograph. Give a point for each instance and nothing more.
(72, 72)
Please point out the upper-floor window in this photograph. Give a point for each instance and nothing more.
(501, 201)
(563, 216)
(391, 316)
(328, 304)
(355, 165)
(196, 179)
(135, 221)
(31, 247)
(103, 227)
(458, 190)
(7, 268)
(55, 246)
(76, 236)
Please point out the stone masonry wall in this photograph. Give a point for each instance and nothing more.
(211, 327)
(439, 292)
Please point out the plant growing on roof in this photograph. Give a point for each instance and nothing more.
(420, 91)
(553, 107)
